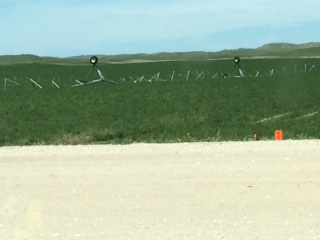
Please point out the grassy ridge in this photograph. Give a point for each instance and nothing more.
(163, 111)
(274, 50)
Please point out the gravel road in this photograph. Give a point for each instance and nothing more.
(229, 190)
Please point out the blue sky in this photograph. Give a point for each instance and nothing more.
(63, 28)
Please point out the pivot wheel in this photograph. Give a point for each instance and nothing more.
(94, 60)
(236, 59)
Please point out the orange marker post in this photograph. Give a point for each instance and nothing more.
(255, 136)
(278, 135)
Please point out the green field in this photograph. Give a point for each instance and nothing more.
(190, 101)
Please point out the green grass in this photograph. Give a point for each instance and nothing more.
(162, 111)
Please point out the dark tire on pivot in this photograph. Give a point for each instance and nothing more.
(94, 60)
(236, 60)
(226, 75)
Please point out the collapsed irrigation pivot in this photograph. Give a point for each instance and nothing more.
(236, 61)
(94, 62)
(96, 76)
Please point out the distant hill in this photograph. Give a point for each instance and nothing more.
(288, 46)
(29, 58)
(272, 50)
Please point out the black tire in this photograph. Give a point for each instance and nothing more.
(225, 75)
(94, 60)
(236, 60)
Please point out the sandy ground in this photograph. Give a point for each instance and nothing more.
(239, 190)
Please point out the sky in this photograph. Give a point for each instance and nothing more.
(64, 28)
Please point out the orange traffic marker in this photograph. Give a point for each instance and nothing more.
(255, 136)
(278, 135)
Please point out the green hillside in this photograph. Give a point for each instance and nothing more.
(279, 50)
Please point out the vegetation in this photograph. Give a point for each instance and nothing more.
(188, 101)
(274, 50)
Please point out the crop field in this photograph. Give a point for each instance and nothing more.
(169, 101)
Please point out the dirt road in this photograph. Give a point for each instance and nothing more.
(237, 190)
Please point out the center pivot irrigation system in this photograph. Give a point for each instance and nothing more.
(94, 62)
(236, 61)
(95, 76)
